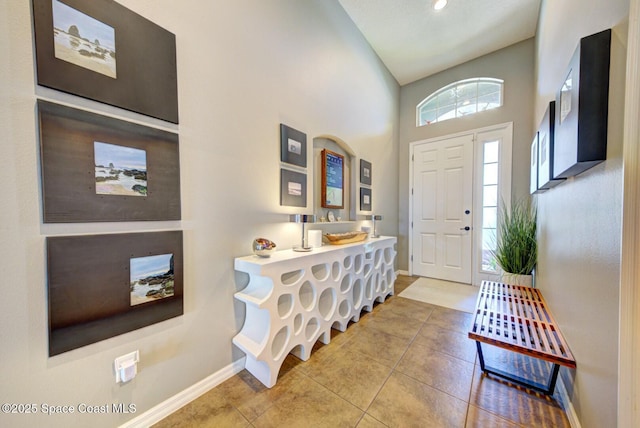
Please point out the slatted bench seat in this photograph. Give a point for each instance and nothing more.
(517, 318)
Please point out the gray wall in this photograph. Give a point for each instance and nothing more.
(579, 221)
(244, 67)
(515, 65)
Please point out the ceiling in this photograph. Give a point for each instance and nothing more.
(415, 41)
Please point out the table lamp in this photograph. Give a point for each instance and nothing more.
(302, 218)
(373, 218)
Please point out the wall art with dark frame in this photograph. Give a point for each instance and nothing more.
(96, 168)
(105, 52)
(365, 172)
(293, 146)
(365, 199)
(546, 142)
(533, 170)
(101, 286)
(582, 106)
(332, 179)
(293, 188)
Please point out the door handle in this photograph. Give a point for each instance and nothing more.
(467, 228)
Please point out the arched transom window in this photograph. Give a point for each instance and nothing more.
(459, 99)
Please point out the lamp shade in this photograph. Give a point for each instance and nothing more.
(302, 218)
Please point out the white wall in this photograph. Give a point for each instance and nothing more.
(244, 67)
(513, 64)
(579, 221)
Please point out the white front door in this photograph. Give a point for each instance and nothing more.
(442, 208)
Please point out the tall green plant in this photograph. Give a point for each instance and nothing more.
(516, 247)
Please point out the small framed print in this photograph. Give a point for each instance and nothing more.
(293, 146)
(293, 188)
(365, 172)
(365, 199)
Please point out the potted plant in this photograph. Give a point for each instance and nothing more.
(516, 249)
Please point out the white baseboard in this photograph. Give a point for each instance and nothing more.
(402, 272)
(565, 401)
(170, 405)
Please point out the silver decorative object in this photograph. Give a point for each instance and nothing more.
(263, 247)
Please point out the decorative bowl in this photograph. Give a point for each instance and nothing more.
(345, 238)
(263, 247)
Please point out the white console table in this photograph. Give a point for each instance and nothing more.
(295, 298)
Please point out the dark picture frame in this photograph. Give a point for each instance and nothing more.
(582, 106)
(143, 56)
(332, 181)
(546, 142)
(293, 146)
(534, 166)
(89, 286)
(365, 199)
(68, 139)
(365, 172)
(293, 188)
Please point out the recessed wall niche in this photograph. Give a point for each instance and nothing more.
(335, 145)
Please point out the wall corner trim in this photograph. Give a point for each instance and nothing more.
(170, 405)
(629, 344)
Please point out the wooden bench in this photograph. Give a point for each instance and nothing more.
(517, 318)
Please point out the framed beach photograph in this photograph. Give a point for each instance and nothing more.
(101, 286)
(365, 172)
(332, 179)
(546, 143)
(533, 168)
(152, 278)
(365, 199)
(582, 108)
(96, 168)
(105, 52)
(293, 188)
(293, 146)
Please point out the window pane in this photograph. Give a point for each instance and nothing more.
(488, 239)
(467, 90)
(427, 117)
(488, 102)
(490, 174)
(488, 243)
(485, 88)
(431, 104)
(465, 109)
(491, 151)
(490, 196)
(447, 98)
(448, 112)
(489, 217)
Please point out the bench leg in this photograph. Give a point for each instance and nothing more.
(545, 389)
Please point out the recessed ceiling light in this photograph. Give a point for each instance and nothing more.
(439, 4)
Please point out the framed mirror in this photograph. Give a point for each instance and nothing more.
(332, 179)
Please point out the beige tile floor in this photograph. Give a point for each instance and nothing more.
(405, 364)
